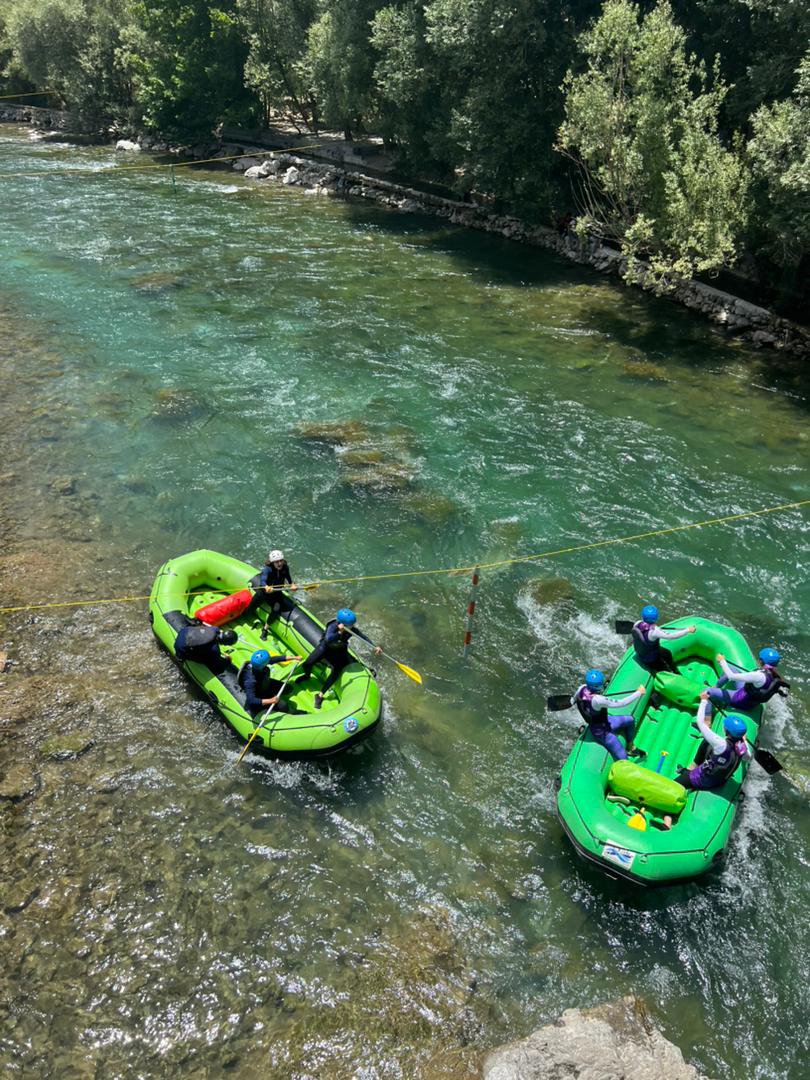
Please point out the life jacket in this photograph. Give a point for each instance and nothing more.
(719, 767)
(648, 652)
(758, 695)
(277, 577)
(192, 638)
(593, 717)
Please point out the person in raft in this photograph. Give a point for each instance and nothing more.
(275, 575)
(593, 708)
(724, 752)
(201, 643)
(647, 638)
(752, 687)
(261, 691)
(333, 649)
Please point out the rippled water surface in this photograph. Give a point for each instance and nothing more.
(165, 359)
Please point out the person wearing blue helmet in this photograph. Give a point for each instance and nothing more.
(647, 638)
(262, 691)
(751, 688)
(333, 650)
(593, 707)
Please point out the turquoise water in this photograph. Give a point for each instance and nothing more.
(168, 359)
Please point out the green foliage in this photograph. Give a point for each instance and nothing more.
(780, 159)
(641, 124)
(276, 32)
(187, 60)
(72, 47)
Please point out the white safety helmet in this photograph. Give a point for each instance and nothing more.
(275, 556)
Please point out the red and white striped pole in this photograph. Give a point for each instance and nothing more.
(470, 612)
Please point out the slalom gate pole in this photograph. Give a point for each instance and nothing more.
(470, 613)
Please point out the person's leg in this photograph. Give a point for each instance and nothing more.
(314, 657)
(718, 696)
(624, 724)
(611, 744)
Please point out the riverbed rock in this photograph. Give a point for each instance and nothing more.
(66, 747)
(19, 781)
(386, 476)
(255, 172)
(242, 164)
(63, 485)
(333, 432)
(128, 146)
(157, 282)
(546, 591)
(291, 176)
(177, 403)
(615, 1041)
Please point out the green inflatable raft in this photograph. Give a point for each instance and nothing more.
(351, 710)
(613, 812)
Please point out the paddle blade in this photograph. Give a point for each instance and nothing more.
(767, 761)
(638, 821)
(624, 626)
(409, 671)
(558, 702)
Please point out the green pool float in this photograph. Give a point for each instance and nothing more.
(351, 710)
(613, 812)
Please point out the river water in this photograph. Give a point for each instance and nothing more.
(168, 358)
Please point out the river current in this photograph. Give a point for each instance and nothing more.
(169, 357)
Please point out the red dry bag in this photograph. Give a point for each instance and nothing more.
(221, 611)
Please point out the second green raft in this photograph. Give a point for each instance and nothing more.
(598, 822)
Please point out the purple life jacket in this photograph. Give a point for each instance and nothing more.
(758, 695)
(717, 768)
(648, 652)
(596, 719)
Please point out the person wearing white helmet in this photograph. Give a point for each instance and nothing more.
(274, 579)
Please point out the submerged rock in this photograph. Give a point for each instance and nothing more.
(646, 370)
(63, 485)
(157, 281)
(66, 747)
(174, 403)
(386, 476)
(18, 782)
(617, 1040)
(333, 432)
(550, 590)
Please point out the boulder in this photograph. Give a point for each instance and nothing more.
(291, 176)
(255, 172)
(127, 145)
(553, 590)
(242, 164)
(616, 1041)
(333, 432)
(19, 782)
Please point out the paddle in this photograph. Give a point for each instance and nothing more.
(624, 626)
(558, 702)
(768, 762)
(409, 671)
(267, 715)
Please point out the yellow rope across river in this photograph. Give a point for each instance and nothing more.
(461, 569)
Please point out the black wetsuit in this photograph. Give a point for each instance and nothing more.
(200, 644)
(259, 686)
(274, 577)
(332, 649)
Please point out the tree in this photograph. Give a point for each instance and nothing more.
(73, 47)
(779, 151)
(641, 124)
(276, 32)
(187, 59)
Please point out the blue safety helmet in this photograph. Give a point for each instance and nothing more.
(735, 726)
(260, 659)
(594, 679)
(346, 616)
(649, 613)
(769, 656)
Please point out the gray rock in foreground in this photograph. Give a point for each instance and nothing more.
(617, 1041)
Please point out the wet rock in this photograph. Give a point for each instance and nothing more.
(158, 281)
(242, 164)
(550, 590)
(432, 507)
(291, 176)
(18, 782)
(16, 896)
(66, 747)
(646, 370)
(362, 459)
(4, 661)
(7, 477)
(128, 146)
(175, 403)
(387, 476)
(616, 1040)
(333, 432)
(63, 485)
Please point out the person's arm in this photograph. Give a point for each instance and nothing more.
(252, 700)
(656, 633)
(360, 634)
(755, 678)
(715, 741)
(599, 701)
